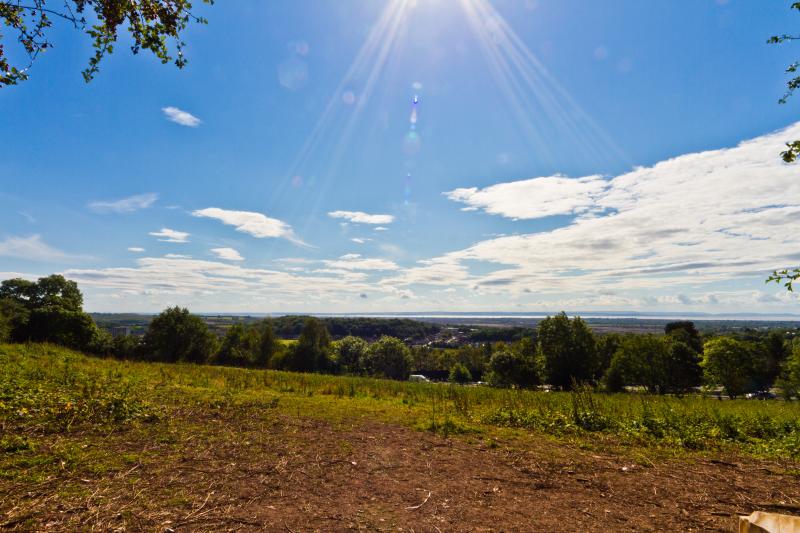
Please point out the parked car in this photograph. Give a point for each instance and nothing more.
(760, 395)
(418, 378)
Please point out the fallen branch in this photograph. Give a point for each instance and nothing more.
(415, 507)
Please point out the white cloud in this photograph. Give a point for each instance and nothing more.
(179, 116)
(136, 249)
(381, 228)
(255, 224)
(170, 235)
(177, 256)
(535, 197)
(359, 217)
(229, 254)
(124, 205)
(357, 262)
(683, 224)
(159, 281)
(32, 248)
(360, 240)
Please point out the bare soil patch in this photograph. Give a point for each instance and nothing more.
(260, 469)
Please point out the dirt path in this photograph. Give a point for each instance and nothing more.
(268, 471)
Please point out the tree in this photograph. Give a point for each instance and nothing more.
(267, 343)
(731, 363)
(460, 374)
(311, 353)
(776, 350)
(661, 364)
(177, 335)
(52, 291)
(389, 357)
(685, 331)
(239, 347)
(127, 347)
(349, 354)
(793, 147)
(513, 368)
(569, 350)
(607, 346)
(789, 381)
(50, 310)
(151, 24)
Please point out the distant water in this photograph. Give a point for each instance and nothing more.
(750, 317)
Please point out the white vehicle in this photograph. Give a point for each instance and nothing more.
(418, 378)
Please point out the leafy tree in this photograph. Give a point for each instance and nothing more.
(74, 329)
(686, 332)
(607, 346)
(239, 347)
(151, 24)
(52, 291)
(267, 343)
(793, 147)
(177, 335)
(569, 350)
(50, 310)
(311, 353)
(389, 357)
(776, 350)
(789, 381)
(683, 370)
(512, 368)
(349, 354)
(731, 363)
(13, 317)
(661, 364)
(127, 347)
(460, 374)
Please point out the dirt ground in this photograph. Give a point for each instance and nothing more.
(266, 470)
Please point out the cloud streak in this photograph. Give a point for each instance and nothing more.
(359, 217)
(179, 116)
(171, 235)
(228, 254)
(33, 248)
(124, 205)
(256, 224)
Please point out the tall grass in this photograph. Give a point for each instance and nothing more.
(45, 388)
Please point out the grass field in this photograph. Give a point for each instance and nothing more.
(69, 420)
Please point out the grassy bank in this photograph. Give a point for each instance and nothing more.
(46, 390)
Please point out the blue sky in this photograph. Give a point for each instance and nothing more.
(618, 155)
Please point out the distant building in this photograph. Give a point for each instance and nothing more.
(120, 331)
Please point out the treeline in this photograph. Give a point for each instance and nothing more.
(562, 353)
(176, 335)
(365, 327)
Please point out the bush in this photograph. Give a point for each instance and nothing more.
(460, 374)
(176, 335)
(509, 368)
(389, 357)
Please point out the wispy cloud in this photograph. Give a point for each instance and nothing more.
(381, 228)
(33, 248)
(360, 240)
(179, 116)
(256, 224)
(124, 205)
(228, 254)
(534, 198)
(359, 217)
(170, 235)
(357, 262)
(136, 249)
(688, 222)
